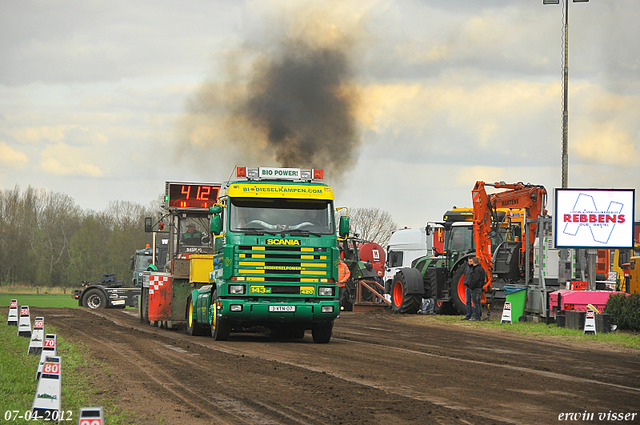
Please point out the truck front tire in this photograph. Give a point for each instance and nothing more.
(321, 332)
(220, 328)
(94, 299)
(193, 327)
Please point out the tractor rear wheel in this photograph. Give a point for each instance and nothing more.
(401, 302)
(458, 291)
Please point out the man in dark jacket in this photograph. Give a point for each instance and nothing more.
(476, 282)
(467, 278)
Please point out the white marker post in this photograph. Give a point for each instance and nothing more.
(46, 403)
(506, 313)
(12, 318)
(24, 325)
(48, 350)
(590, 323)
(37, 337)
(91, 416)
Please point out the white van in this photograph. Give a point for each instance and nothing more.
(405, 245)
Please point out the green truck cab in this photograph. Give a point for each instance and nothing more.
(275, 259)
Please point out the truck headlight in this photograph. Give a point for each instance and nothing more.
(326, 291)
(236, 289)
(235, 307)
(327, 309)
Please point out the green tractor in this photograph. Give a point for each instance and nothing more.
(441, 275)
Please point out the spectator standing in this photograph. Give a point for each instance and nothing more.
(475, 284)
(467, 278)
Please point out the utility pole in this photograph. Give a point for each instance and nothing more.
(565, 92)
(564, 254)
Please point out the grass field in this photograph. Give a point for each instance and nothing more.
(38, 300)
(18, 384)
(24, 289)
(625, 338)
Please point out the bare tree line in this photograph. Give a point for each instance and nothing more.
(372, 224)
(46, 239)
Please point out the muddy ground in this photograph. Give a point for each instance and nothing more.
(379, 368)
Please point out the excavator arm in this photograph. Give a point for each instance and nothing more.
(530, 198)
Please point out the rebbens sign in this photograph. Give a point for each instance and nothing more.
(594, 218)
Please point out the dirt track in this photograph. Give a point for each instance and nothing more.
(378, 368)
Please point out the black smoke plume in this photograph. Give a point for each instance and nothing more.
(299, 101)
(294, 107)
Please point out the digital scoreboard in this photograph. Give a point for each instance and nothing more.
(191, 196)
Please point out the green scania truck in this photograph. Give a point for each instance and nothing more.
(275, 257)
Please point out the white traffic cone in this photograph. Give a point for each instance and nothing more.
(91, 416)
(24, 324)
(46, 403)
(590, 323)
(12, 318)
(48, 350)
(506, 313)
(37, 336)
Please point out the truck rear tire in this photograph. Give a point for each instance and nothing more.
(321, 332)
(401, 302)
(94, 299)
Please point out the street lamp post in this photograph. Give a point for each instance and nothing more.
(565, 96)
(591, 254)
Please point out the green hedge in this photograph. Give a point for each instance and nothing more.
(624, 311)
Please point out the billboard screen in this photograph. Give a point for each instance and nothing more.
(594, 218)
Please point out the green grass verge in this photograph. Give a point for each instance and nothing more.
(38, 300)
(18, 384)
(625, 338)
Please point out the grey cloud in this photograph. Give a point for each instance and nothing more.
(74, 41)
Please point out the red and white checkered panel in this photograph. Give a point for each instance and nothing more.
(155, 282)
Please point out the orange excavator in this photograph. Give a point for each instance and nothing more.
(497, 220)
(507, 261)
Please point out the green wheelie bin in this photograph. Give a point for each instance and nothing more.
(517, 296)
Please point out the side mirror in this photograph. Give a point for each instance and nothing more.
(216, 209)
(344, 226)
(148, 224)
(131, 262)
(216, 224)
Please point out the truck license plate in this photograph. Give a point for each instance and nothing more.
(282, 308)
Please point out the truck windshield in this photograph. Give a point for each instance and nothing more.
(259, 216)
(141, 262)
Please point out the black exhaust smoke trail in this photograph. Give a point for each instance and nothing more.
(300, 102)
(294, 106)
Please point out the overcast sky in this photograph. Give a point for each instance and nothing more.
(106, 101)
